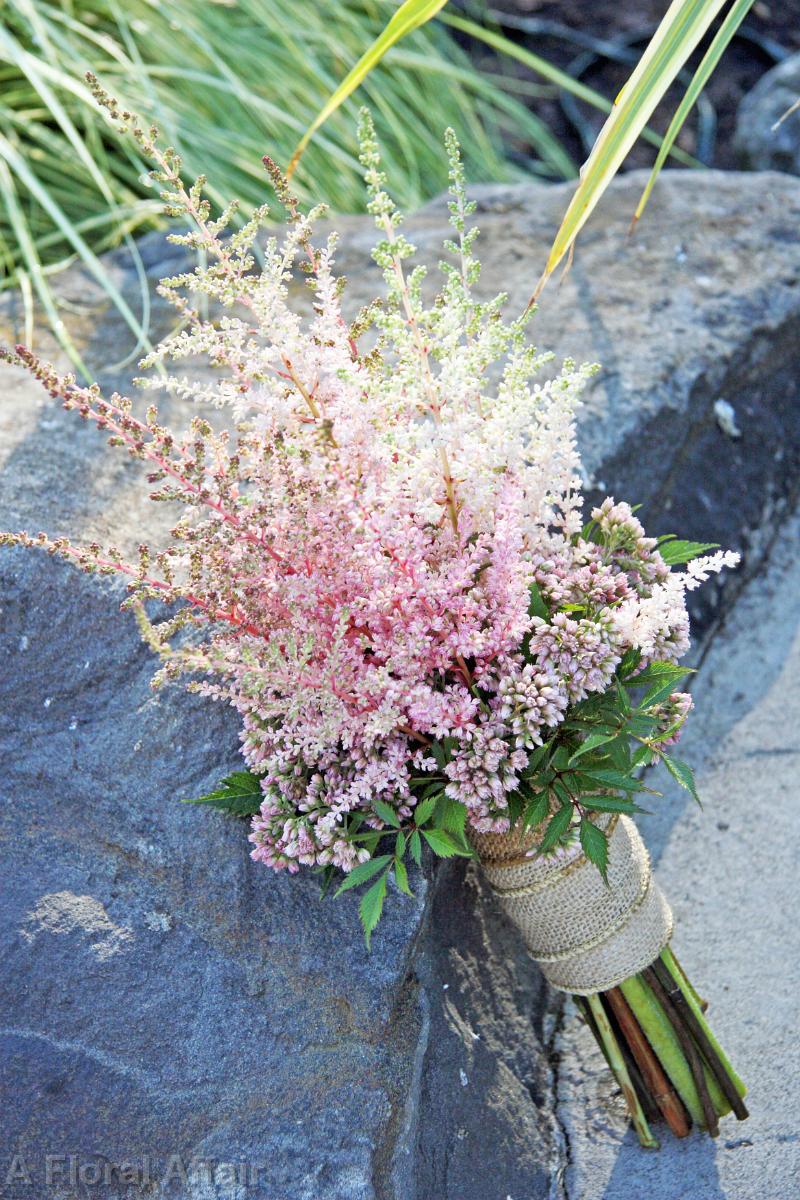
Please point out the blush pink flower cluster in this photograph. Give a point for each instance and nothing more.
(353, 564)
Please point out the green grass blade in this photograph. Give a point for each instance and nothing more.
(679, 33)
(31, 259)
(408, 17)
(701, 76)
(21, 169)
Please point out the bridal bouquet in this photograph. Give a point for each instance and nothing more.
(385, 569)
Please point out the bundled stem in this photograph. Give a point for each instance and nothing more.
(657, 1042)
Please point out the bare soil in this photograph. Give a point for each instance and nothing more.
(588, 39)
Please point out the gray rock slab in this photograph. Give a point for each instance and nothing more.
(732, 873)
(163, 996)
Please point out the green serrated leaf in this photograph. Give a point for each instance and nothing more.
(450, 815)
(386, 813)
(641, 726)
(400, 845)
(608, 777)
(611, 804)
(592, 742)
(401, 875)
(535, 760)
(415, 847)
(536, 811)
(362, 873)
(676, 552)
(558, 825)
(619, 751)
(595, 846)
(622, 697)
(561, 758)
(659, 672)
(239, 794)
(656, 695)
(444, 844)
(561, 791)
(643, 757)
(371, 907)
(683, 773)
(424, 810)
(537, 606)
(439, 753)
(630, 661)
(516, 806)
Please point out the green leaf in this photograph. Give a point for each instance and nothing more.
(362, 873)
(591, 743)
(401, 875)
(327, 874)
(561, 758)
(643, 757)
(557, 827)
(444, 844)
(516, 806)
(439, 753)
(678, 35)
(622, 697)
(537, 606)
(424, 810)
(386, 813)
(611, 804)
(535, 760)
(450, 815)
(612, 779)
(683, 773)
(561, 791)
(657, 694)
(658, 672)
(400, 845)
(537, 811)
(675, 552)
(240, 795)
(641, 726)
(630, 661)
(371, 907)
(415, 846)
(595, 846)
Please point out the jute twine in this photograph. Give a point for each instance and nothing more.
(586, 935)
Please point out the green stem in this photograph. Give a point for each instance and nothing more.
(700, 1000)
(661, 1036)
(610, 1048)
(691, 1053)
(728, 1078)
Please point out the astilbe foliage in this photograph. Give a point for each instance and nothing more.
(383, 567)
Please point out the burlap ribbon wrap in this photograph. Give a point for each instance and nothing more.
(586, 935)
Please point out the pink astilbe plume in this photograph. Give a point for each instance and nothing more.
(353, 564)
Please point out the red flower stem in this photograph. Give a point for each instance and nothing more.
(656, 1080)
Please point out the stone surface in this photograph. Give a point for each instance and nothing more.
(732, 871)
(757, 143)
(163, 995)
